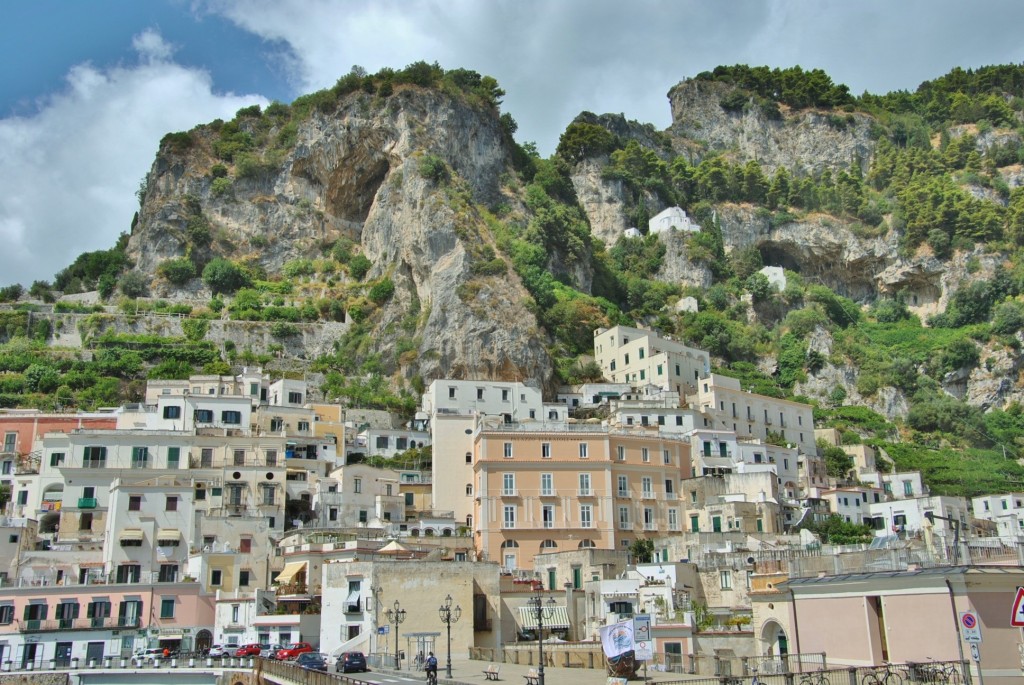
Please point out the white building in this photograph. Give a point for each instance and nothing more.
(908, 515)
(673, 217)
(1005, 510)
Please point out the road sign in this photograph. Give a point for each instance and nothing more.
(975, 654)
(1017, 616)
(642, 647)
(970, 627)
(383, 630)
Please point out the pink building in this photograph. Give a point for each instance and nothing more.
(865, 619)
(84, 622)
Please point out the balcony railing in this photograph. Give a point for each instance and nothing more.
(98, 623)
(548, 493)
(87, 502)
(647, 494)
(584, 492)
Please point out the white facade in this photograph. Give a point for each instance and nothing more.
(1005, 510)
(673, 217)
(908, 515)
(776, 276)
(513, 401)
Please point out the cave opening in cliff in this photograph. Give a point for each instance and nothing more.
(775, 255)
(352, 188)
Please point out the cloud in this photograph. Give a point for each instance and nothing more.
(70, 170)
(556, 59)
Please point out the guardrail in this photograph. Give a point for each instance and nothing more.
(132, 663)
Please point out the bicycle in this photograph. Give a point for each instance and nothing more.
(431, 677)
(883, 676)
(943, 674)
(755, 680)
(816, 678)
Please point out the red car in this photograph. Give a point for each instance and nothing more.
(252, 649)
(293, 650)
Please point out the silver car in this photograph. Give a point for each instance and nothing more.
(268, 651)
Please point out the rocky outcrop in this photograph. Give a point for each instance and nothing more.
(805, 142)
(356, 172)
(603, 201)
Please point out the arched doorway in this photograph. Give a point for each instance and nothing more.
(203, 641)
(773, 639)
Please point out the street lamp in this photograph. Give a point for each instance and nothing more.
(396, 617)
(541, 610)
(448, 617)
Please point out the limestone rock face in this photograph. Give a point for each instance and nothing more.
(804, 142)
(355, 173)
(604, 201)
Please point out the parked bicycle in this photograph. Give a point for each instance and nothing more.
(815, 678)
(884, 676)
(942, 674)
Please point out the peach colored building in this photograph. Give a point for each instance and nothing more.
(543, 491)
(906, 616)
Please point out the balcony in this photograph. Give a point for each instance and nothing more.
(650, 526)
(584, 492)
(548, 493)
(510, 492)
(647, 494)
(622, 493)
(87, 502)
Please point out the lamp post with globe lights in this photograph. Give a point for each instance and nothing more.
(541, 610)
(396, 617)
(448, 617)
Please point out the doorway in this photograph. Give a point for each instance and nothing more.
(63, 654)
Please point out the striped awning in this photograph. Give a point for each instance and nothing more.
(130, 534)
(168, 535)
(554, 617)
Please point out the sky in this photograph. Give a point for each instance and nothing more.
(90, 88)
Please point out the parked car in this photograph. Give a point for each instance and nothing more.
(269, 651)
(293, 650)
(251, 649)
(218, 651)
(350, 662)
(312, 661)
(144, 656)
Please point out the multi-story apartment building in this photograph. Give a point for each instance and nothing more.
(733, 502)
(909, 516)
(853, 503)
(642, 358)
(360, 496)
(540, 491)
(725, 406)
(1005, 510)
(450, 410)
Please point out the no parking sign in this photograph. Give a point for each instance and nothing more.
(970, 627)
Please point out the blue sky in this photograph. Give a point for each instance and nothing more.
(90, 87)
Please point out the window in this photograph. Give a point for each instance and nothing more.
(135, 503)
(908, 489)
(235, 612)
(271, 457)
(647, 487)
(665, 457)
(172, 412)
(451, 393)
(23, 497)
(362, 516)
(401, 443)
(357, 485)
(215, 576)
(382, 442)
(586, 516)
(203, 416)
(172, 503)
(504, 395)
(294, 398)
(508, 484)
(624, 518)
(507, 450)
(13, 539)
(56, 459)
(276, 424)
(725, 579)
(509, 516)
(545, 450)
(623, 486)
(643, 374)
(206, 458)
(584, 484)
(238, 457)
(6, 614)
(620, 452)
(645, 454)
(168, 573)
(268, 494)
(693, 496)
(95, 457)
(304, 426)
(409, 496)
(583, 450)
(673, 519)
(167, 607)
(547, 485)
(661, 370)
(231, 417)
(8, 467)
(648, 518)
(548, 515)
(85, 522)
(10, 442)
(243, 578)
(128, 573)
(245, 545)
(173, 457)
(479, 393)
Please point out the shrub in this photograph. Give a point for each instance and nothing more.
(11, 293)
(221, 186)
(179, 270)
(224, 276)
(433, 168)
(283, 329)
(382, 291)
(358, 266)
(133, 284)
(218, 171)
(298, 267)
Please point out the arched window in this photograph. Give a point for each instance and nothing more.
(587, 544)
(548, 544)
(509, 544)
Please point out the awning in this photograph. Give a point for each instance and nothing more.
(131, 534)
(171, 636)
(291, 569)
(554, 617)
(168, 536)
(352, 599)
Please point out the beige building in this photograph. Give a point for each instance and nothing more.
(733, 502)
(641, 358)
(542, 491)
(726, 406)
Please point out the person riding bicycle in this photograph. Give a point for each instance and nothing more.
(431, 667)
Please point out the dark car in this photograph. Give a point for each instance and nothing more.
(351, 662)
(312, 661)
